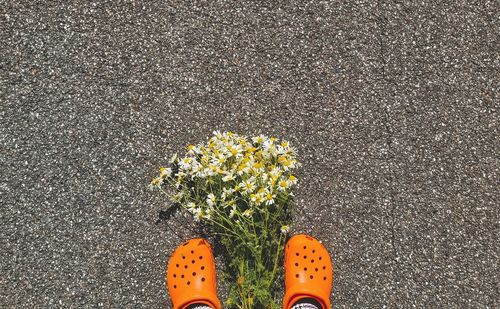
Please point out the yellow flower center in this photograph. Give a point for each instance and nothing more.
(257, 165)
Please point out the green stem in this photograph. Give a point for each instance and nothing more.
(275, 268)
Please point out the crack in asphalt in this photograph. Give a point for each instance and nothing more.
(381, 22)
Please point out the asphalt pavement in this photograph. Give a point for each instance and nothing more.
(392, 106)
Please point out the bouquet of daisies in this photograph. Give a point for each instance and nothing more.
(241, 188)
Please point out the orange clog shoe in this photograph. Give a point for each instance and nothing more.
(308, 271)
(191, 275)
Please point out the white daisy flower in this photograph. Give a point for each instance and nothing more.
(244, 168)
(282, 185)
(229, 177)
(248, 186)
(275, 172)
(248, 213)
(165, 172)
(229, 203)
(180, 174)
(226, 193)
(156, 182)
(269, 198)
(259, 139)
(217, 134)
(233, 150)
(207, 216)
(211, 200)
(191, 149)
(185, 163)
(232, 212)
(258, 167)
(201, 174)
(290, 151)
(197, 214)
(263, 177)
(285, 229)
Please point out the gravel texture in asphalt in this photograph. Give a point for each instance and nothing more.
(393, 107)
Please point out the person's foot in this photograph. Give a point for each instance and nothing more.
(191, 275)
(308, 273)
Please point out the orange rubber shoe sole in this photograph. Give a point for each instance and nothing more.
(191, 276)
(308, 271)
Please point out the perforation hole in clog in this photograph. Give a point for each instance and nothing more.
(203, 279)
(202, 267)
